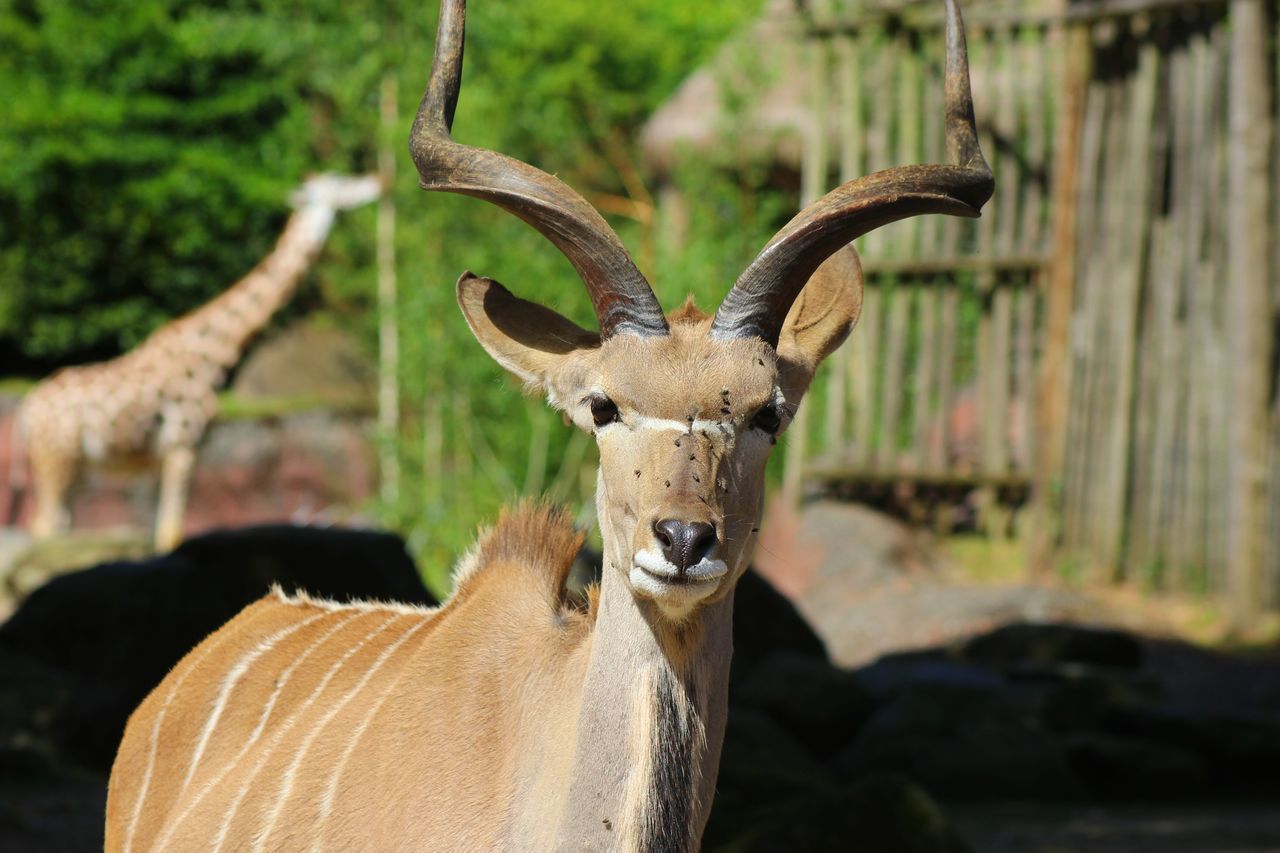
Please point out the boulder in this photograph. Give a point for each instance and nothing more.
(836, 553)
(1116, 768)
(1241, 751)
(765, 623)
(891, 675)
(965, 742)
(819, 705)
(27, 566)
(1027, 643)
(308, 361)
(881, 814)
(115, 630)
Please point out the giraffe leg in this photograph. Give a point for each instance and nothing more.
(175, 481)
(52, 474)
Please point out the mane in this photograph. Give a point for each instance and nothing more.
(301, 598)
(536, 540)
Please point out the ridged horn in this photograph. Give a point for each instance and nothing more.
(760, 299)
(623, 301)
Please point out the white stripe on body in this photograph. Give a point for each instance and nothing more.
(145, 786)
(331, 791)
(253, 738)
(286, 787)
(225, 828)
(229, 683)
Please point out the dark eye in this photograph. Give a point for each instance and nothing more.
(604, 411)
(767, 419)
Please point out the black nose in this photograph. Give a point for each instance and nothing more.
(684, 542)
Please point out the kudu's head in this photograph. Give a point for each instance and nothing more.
(685, 408)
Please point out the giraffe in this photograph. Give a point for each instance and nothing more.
(153, 404)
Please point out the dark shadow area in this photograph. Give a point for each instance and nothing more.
(1031, 737)
(85, 649)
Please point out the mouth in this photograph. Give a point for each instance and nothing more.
(656, 577)
(677, 580)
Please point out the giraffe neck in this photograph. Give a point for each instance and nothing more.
(237, 315)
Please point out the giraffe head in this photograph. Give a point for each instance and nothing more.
(337, 192)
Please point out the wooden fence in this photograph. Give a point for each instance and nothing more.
(1104, 336)
(935, 389)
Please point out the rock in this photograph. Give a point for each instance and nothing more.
(892, 674)
(765, 622)
(1051, 644)
(965, 742)
(836, 553)
(1242, 752)
(115, 630)
(817, 704)
(1131, 769)
(42, 560)
(308, 361)
(930, 613)
(882, 814)
(315, 466)
(760, 765)
(1083, 697)
(763, 760)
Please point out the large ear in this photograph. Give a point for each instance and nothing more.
(819, 320)
(524, 337)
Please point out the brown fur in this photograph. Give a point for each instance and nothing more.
(505, 719)
(533, 539)
(508, 606)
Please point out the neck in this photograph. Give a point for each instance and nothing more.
(248, 305)
(651, 724)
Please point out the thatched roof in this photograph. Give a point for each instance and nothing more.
(764, 75)
(753, 101)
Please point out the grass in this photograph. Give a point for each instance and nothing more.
(232, 407)
(15, 385)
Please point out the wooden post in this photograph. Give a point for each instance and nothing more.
(388, 336)
(1059, 300)
(1248, 304)
(814, 180)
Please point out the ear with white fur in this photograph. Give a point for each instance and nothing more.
(531, 341)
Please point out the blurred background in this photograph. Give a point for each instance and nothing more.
(1023, 537)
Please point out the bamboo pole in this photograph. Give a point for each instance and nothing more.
(1217, 357)
(813, 175)
(1194, 530)
(388, 334)
(1055, 363)
(926, 360)
(1135, 202)
(866, 373)
(1248, 302)
(1150, 377)
(851, 128)
(1106, 351)
(432, 454)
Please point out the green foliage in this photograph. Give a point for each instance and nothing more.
(147, 149)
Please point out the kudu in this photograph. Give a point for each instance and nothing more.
(509, 719)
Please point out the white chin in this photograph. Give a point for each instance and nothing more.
(653, 577)
(675, 598)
